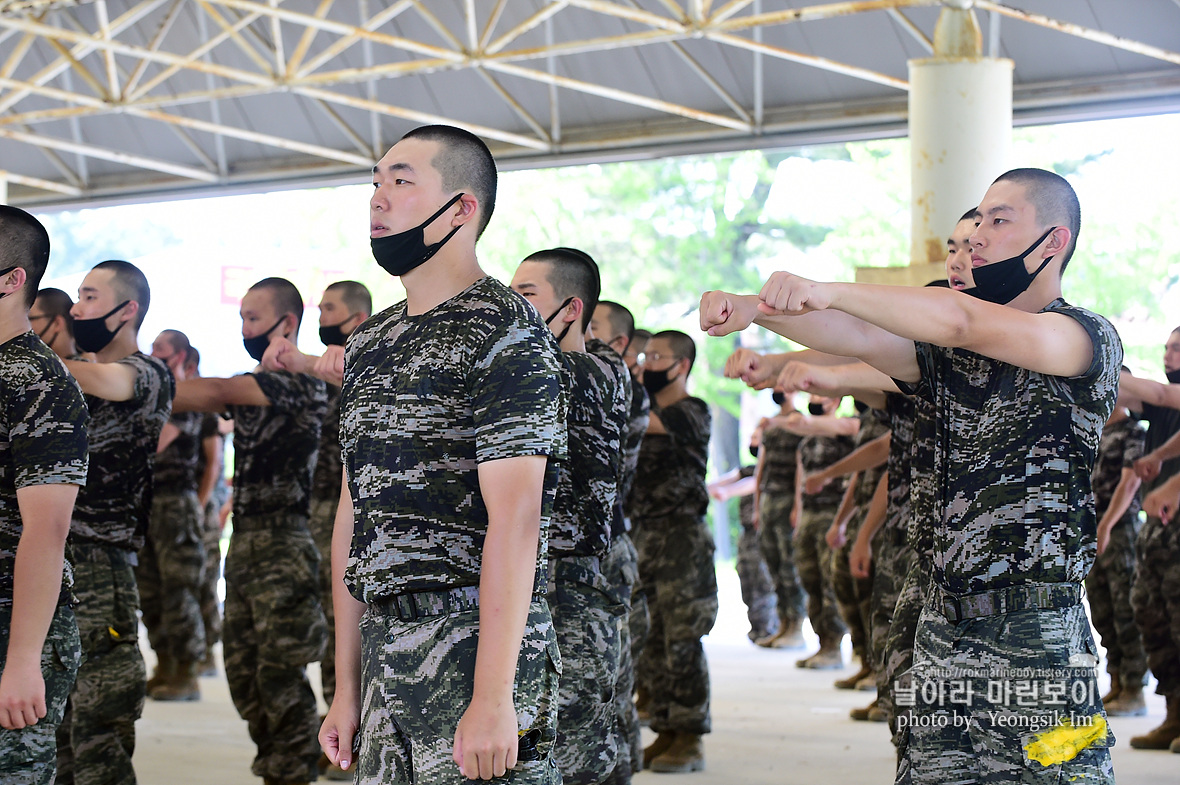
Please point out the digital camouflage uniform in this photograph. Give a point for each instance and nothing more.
(813, 557)
(776, 496)
(1156, 593)
(676, 567)
(325, 498)
(621, 568)
(1003, 685)
(97, 739)
(753, 575)
(1108, 586)
(274, 625)
(173, 554)
(854, 595)
(211, 536)
(892, 556)
(587, 611)
(42, 442)
(426, 399)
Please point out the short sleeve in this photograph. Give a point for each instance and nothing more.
(926, 355)
(1134, 445)
(1097, 386)
(687, 422)
(48, 434)
(518, 403)
(151, 378)
(282, 389)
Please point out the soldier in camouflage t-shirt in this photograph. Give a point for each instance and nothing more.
(452, 420)
(43, 423)
(1021, 384)
(129, 395)
(274, 625)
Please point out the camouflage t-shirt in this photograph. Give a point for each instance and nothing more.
(176, 465)
(899, 409)
(746, 503)
(632, 440)
(325, 482)
(209, 422)
(597, 388)
(670, 476)
(1013, 466)
(113, 507)
(42, 438)
(426, 399)
(924, 496)
(820, 452)
(1122, 444)
(275, 446)
(778, 453)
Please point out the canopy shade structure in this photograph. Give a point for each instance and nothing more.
(128, 100)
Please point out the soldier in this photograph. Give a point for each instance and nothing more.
(129, 395)
(615, 325)
(1109, 584)
(50, 317)
(1021, 383)
(753, 576)
(173, 554)
(274, 624)
(675, 556)
(562, 284)
(452, 417)
(635, 347)
(42, 464)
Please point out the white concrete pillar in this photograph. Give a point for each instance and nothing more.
(3, 187)
(960, 130)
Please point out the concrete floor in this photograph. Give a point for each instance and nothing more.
(773, 724)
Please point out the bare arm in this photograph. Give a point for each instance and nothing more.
(860, 380)
(759, 370)
(45, 515)
(344, 715)
(1120, 501)
(867, 456)
(486, 738)
(1164, 500)
(861, 558)
(212, 447)
(1148, 467)
(1133, 390)
(214, 395)
(824, 425)
(168, 435)
(109, 381)
(844, 512)
(655, 425)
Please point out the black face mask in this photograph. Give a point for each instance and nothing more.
(754, 450)
(400, 253)
(815, 409)
(256, 346)
(779, 397)
(92, 335)
(1002, 282)
(552, 316)
(654, 381)
(332, 335)
(1173, 377)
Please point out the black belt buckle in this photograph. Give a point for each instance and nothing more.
(405, 607)
(951, 603)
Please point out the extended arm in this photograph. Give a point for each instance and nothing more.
(1148, 467)
(1134, 392)
(823, 425)
(45, 514)
(759, 370)
(844, 513)
(860, 561)
(109, 381)
(215, 395)
(486, 738)
(1120, 501)
(860, 380)
(867, 456)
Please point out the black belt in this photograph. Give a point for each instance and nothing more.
(415, 605)
(1033, 596)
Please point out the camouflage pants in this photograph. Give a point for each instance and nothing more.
(273, 627)
(586, 617)
(777, 540)
(891, 562)
(169, 577)
(97, 738)
(1156, 599)
(853, 595)
(29, 756)
(1004, 698)
(676, 568)
(899, 644)
(323, 517)
(621, 570)
(814, 559)
(211, 573)
(1108, 588)
(417, 679)
(757, 588)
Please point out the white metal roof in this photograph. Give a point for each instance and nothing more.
(125, 100)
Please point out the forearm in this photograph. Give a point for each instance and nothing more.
(198, 395)
(878, 508)
(807, 425)
(348, 610)
(868, 456)
(507, 576)
(1134, 392)
(847, 507)
(36, 588)
(209, 478)
(1120, 500)
(830, 333)
(1168, 450)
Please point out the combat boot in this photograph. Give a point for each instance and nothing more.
(181, 687)
(853, 681)
(827, 658)
(208, 666)
(643, 706)
(871, 713)
(165, 670)
(1129, 703)
(790, 636)
(1161, 738)
(686, 754)
(662, 744)
(1115, 688)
